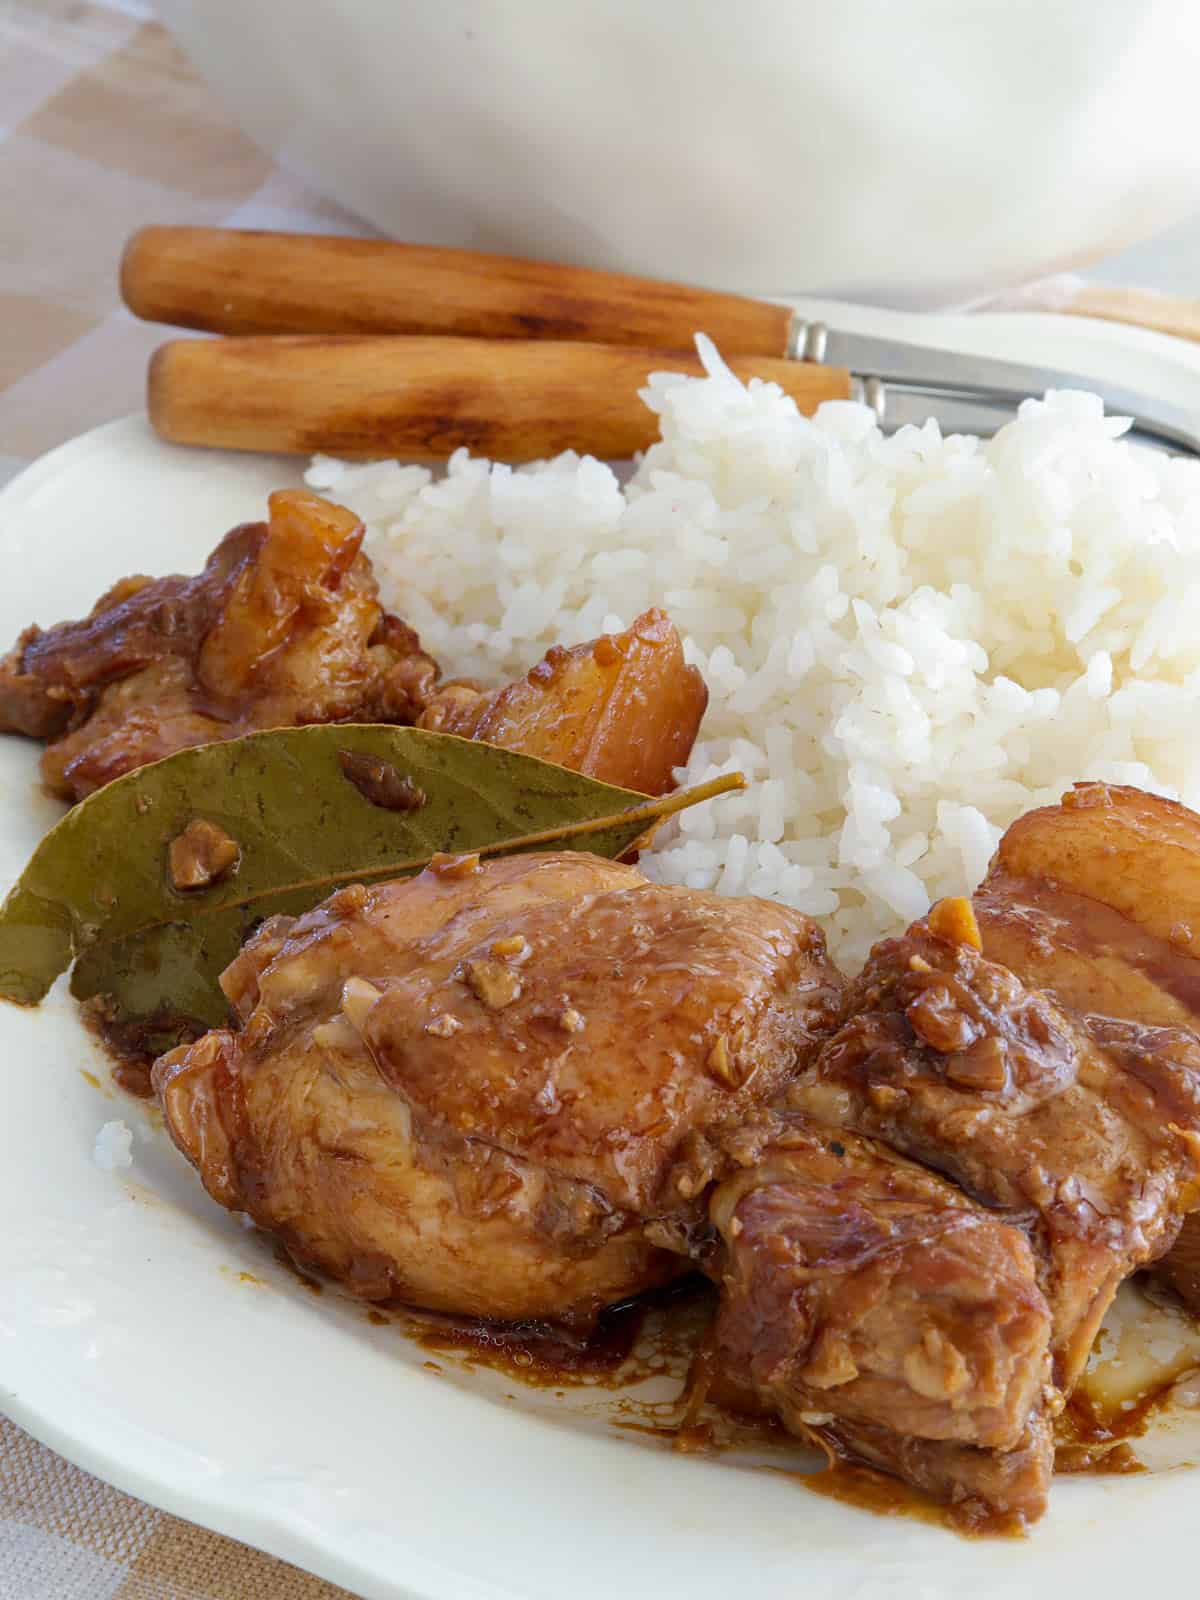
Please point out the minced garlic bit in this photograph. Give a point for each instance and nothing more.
(348, 902)
(885, 1096)
(492, 982)
(452, 866)
(259, 1026)
(379, 782)
(954, 921)
(201, 855)
(571, 1020)
(335, 1037)
(514, 946)
(443, 1025)
(358, 1000)
(982, 1065)
(720, 1064)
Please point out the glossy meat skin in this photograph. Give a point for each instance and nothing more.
(860, 1290)
(1081, 1132)
(624, 708)
(283, 627)
(1085, 1135)
(471, 1090)
(1097, 900)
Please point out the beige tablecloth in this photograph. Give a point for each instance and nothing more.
(103, 127)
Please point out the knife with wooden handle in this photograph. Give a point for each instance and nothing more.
(239, 282)
(424, 397)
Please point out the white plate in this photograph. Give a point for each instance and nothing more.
(129, 1343)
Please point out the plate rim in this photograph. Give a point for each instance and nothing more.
(271, 1531)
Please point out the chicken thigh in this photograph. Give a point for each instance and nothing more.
(476, 1090)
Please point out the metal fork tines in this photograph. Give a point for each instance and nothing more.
(972, 394)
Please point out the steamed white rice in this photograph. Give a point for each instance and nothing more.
(908, 641)
(113, 1150)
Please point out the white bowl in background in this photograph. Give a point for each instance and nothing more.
(916, 153)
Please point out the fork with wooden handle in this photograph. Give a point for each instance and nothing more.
(367, 348)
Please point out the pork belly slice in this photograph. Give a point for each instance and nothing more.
(1097, 901)
(284, 627)
(624, 708)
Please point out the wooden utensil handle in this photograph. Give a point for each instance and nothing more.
(424, 397)
(226, 281)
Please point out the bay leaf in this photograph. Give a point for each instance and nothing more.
(98, 890)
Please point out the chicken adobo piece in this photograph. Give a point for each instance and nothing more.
(284, 627)
(861, 1287)
(476, 1090)
(530, 1088)
(1080, 1132)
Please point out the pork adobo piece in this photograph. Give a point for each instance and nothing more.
(625, 708)
(284, 627)
(477, 1090)
(863, 1287)
(1097, 901)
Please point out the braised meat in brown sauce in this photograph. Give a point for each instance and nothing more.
(470, 1090)
(534, 1087)
(1080, 1132)
(283, 627)
(1097, 900)
(625, 708)
(860, 1288)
